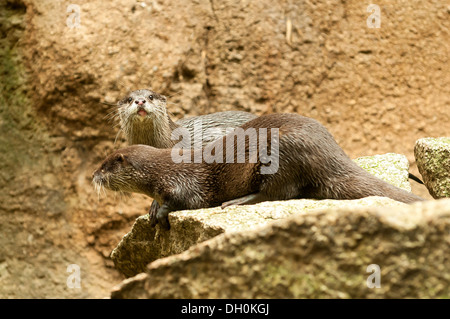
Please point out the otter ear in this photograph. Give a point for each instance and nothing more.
(121, 158)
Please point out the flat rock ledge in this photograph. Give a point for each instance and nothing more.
(319, 254)
(144, 244)
(433, 161)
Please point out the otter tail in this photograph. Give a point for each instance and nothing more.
(399, 194)
(365, 184)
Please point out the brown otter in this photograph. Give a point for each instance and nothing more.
(310, 164)
(144, 119)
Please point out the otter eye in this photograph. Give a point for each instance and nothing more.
(130, 99)
(150, 97)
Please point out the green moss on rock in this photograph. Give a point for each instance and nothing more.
(433, 161)
(392, 168)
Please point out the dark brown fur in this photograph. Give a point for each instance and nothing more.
(311, 165)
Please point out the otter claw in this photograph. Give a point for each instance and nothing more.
(152, 212)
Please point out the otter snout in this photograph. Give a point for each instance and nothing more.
(98, 178)
(102, 181)
(141, 108)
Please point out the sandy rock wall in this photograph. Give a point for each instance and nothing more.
(377, 90)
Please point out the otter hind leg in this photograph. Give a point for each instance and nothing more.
(246, 200)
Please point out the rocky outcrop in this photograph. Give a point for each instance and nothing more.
(321, 254)
(433, 161)
(144, 244)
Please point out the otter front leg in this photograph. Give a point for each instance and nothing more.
(247, 199)
(152, 213)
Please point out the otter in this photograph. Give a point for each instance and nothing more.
(310, 164)
(144, 119)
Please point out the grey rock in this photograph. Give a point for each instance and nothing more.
(391, 167)
(321, 254)
(144, 244)
(433, 161)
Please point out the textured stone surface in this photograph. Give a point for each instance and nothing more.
(391, 167)
(433, 161)
(144, 244)
(321, 254)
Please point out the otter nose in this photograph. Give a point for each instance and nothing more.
(139, 102)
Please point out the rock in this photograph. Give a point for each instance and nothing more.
(320, 254)
(391, 167)
(144, 244)
(433, 161)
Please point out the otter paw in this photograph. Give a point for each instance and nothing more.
(163, 216)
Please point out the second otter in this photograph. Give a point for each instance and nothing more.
(310, 165)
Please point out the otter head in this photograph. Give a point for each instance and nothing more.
(142, 105)
(144, 119)
(116, 173)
